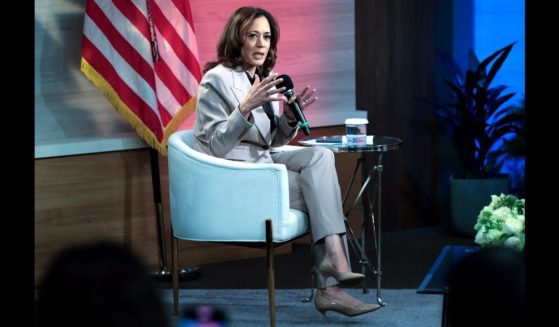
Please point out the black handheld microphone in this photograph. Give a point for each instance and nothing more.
(288, 84)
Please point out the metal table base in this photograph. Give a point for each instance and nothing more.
(379, 145)
(360, 249)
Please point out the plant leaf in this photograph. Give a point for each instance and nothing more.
(501, 55)
(452, 67)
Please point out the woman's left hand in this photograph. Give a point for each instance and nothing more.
(304, 99)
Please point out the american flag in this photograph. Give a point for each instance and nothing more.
(142, 55)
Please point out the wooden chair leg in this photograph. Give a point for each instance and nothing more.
(312, 271)
(271, 276)
(175, 275)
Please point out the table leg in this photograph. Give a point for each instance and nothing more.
(360, 249)
(364, 247)
(377, 234)
(357, 248)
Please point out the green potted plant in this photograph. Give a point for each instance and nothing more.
(481, 128)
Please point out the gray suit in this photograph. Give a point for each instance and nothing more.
(222, 131)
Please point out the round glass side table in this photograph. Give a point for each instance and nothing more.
(378, 145)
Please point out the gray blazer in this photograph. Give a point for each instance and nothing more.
(220, 128)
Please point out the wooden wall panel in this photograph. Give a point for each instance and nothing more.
(109, 196)
(395, 51)
(86, 198)
(93, 197)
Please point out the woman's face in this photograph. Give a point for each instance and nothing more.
(256, 44)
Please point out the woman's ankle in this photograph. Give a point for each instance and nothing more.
(329, 290)
(338, 261)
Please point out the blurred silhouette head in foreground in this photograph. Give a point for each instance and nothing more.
(487, 288)
(101, 284)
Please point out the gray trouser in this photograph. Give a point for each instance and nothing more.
(314, 188)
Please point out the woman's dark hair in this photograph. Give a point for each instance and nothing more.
(232, 39)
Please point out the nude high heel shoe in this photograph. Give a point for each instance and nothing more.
(324, 304)
(327, 269)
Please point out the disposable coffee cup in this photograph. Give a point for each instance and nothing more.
(356, 131)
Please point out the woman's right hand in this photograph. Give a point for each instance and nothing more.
(260, 93)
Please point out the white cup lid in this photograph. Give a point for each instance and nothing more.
(356, 121)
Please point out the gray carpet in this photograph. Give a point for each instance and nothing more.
(249, 307)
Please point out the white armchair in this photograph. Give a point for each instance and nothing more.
(218, 200)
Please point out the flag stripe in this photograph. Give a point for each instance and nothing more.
(184, 8)
(180, 15)
(134, 49)
(135, 103)
(166, 117)
(166, 100)
(170, 34)
(115, 61)
(154, 95)
(168, 78)
(134, 14)
(182, 73)
(175, 15)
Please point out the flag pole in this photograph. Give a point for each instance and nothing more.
(133, 92)
(164, 273)
(154, 159)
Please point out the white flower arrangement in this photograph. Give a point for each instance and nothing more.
(501, 222)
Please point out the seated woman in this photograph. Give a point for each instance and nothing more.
(238, 118)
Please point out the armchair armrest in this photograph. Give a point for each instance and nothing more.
(214, 199)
